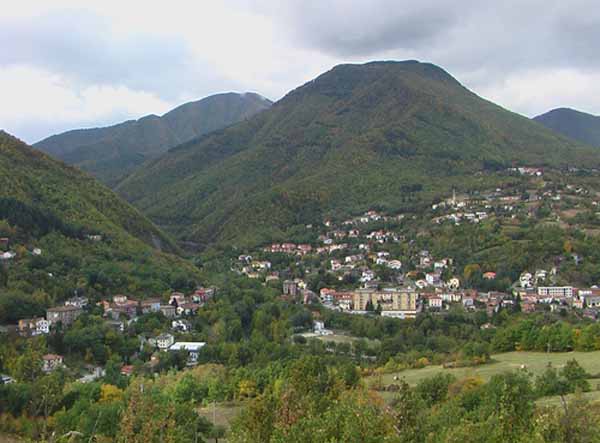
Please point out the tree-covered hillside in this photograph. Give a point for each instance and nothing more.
(385, 134)
(68, 232)
(571, 123)
(112, 152)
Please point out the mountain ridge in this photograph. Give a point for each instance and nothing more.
(572, 123)
(88, 236)
(392, 134)
(111, 152)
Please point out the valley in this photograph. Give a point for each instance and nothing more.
(381, 255)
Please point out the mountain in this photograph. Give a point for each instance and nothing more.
(575, 124)
(112, 152)
(89, 237)
(386, 135)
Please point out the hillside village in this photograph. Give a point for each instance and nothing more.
(369, 264)
(120, 314)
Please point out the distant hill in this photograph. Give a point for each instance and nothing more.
(575, 124)
(110, 153)
(387, 135)
(89, 237)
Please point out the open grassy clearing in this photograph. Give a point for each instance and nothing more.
(534, 362)
(337, 337)
(593, 396)
(221, 414)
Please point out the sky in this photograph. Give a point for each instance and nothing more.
(67, 64)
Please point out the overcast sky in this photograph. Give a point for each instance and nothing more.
(67, 64)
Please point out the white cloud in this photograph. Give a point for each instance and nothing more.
(534, 92)
(48, 101)
(68, 63)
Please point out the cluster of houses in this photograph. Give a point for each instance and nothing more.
(289, 248)
(119, 308)
(166, 342)
(7, 255)
(368, 217)
(178, 305)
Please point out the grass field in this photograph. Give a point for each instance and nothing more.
(221, 414)
(337, 337)
(535, 362)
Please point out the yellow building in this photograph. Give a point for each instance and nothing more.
(393, 303)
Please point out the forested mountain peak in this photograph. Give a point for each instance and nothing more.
(109, 153)
(354, 136)
(574, 124)
(82, 229)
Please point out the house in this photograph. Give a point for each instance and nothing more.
(435, 302)
(345, 300)
(63, 314)
(451, 296)
(319, 328)
(127, 309)
(440, 265)
(202, 295)
(489, 275)
(290, 288)
(6, 380)
(327, 295)
(392, 302)
(193, 349)
(188, 308)
(119, 299)
(353, 233)
(468, 301)
(421, 284)
(7, 256)
(42, 326)
(367, 276)
(578, 303)
(77, 301)
(353, 258)
(168, 311)
(163, 341)
(176, 299)
(394, 264)
(181, 325)
(36, 251)
(50, 362)
(525, 280)
(433, 279)
(304, 249)
(308, 296)
(591, 297)
(261, 265)
(127, 370)
(150, 305)
(335, 265)
(453, 283)
(540, 275)
(274, 276)
(555, 292)
(28, 326)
